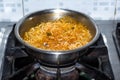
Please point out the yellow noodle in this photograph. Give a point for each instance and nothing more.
(62, 34)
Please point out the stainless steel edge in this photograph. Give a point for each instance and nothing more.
(5, 29)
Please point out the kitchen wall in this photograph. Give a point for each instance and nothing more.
(13, 10)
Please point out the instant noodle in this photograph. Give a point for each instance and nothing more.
(62, 34)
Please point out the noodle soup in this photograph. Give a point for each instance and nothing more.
(62, 34)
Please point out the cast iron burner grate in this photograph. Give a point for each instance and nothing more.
(94, 65)
(116, 37)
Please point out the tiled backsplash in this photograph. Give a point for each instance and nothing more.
(13, 10)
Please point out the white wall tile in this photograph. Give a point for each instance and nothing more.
(97, 9)
(13, 10)
(118, 10)
(10, 10)
(36, 5)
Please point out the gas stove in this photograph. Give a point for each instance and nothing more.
(94, 65)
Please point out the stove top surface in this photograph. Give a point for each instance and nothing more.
(100, 59)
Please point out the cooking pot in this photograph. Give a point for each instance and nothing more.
(49, 57)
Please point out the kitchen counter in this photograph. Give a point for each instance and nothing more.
(106, 28)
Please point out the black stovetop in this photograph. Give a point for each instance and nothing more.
(116, 37)
(17, 64)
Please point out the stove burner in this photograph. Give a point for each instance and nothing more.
(45, 75)
(92, 66)
(54, 70)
